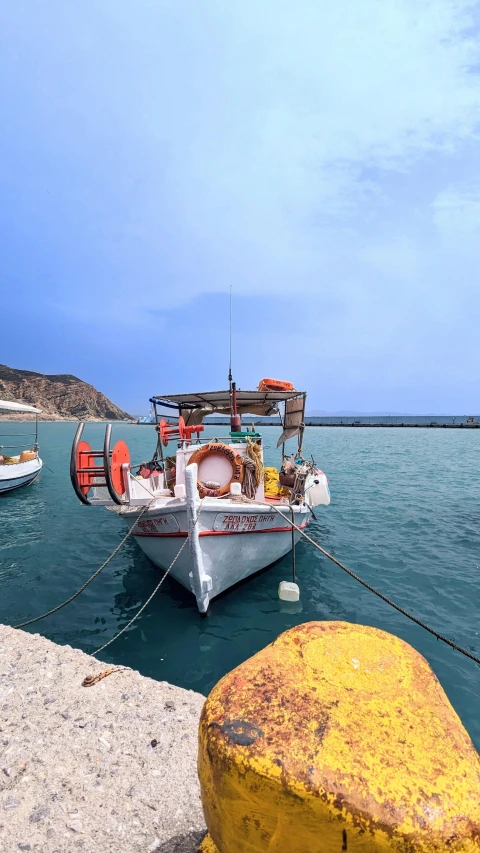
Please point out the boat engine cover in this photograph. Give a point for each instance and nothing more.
(317, 490)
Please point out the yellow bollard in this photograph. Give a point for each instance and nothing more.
(336, 737)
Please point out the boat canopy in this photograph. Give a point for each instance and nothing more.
(10, 406)
(194, 407)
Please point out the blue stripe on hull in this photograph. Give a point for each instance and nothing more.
(25, 482)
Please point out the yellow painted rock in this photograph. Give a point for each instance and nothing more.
(337, 737)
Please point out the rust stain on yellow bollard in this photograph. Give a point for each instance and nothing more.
(336, 738)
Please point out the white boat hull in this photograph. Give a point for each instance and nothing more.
(21, 474)
(235, 541)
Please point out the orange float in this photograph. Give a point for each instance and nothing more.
(275, 385)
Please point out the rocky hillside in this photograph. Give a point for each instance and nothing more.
(61, 397)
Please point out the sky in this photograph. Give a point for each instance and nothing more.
(321, 159)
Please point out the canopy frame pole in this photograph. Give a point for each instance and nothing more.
(302, 427)
(159, 448)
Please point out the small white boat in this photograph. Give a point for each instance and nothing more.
(217, 492)
(22, 468)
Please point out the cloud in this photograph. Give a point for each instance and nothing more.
(399, 258)
(456, 214)
(307, 100)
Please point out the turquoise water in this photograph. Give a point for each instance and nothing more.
(405, 515)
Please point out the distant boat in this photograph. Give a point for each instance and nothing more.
(217, 492)
(22, 468)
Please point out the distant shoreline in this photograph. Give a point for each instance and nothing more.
(57, 419)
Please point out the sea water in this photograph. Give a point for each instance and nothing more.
(405, 516)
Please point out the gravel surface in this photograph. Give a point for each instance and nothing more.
(111, 767)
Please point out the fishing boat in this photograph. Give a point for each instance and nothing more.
(24, 467)
(216, 492)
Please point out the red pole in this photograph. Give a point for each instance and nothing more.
(235, 420)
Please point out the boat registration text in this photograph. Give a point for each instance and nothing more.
(245, 523)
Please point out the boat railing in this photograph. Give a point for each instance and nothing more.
(212, 438)
(12, 446)
(25, 435)
(18, 434)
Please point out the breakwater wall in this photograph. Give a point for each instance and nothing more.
(110, 768)
(406, 421)
(412, 421)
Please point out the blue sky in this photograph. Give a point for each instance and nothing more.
(323, 159)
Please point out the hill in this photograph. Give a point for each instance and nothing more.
(61, 396)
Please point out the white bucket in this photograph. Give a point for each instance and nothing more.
(288, 591)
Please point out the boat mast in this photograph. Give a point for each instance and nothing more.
(235, 419)
(230, 360)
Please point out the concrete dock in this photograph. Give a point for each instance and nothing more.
(109, 768)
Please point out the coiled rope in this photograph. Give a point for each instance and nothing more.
(375, 591)
(253, 467)
(249, 485)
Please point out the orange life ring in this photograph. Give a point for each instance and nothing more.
(236, 462)
(275, 385)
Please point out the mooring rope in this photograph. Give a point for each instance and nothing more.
(142, 608)
(137, 614)
(95, 574)
(376, 591)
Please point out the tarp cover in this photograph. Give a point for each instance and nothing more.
(9, 406)
(294, 410)
(194, 407)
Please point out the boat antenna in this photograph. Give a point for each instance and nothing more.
(235, 420)
(230, 358)
(230, 361)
